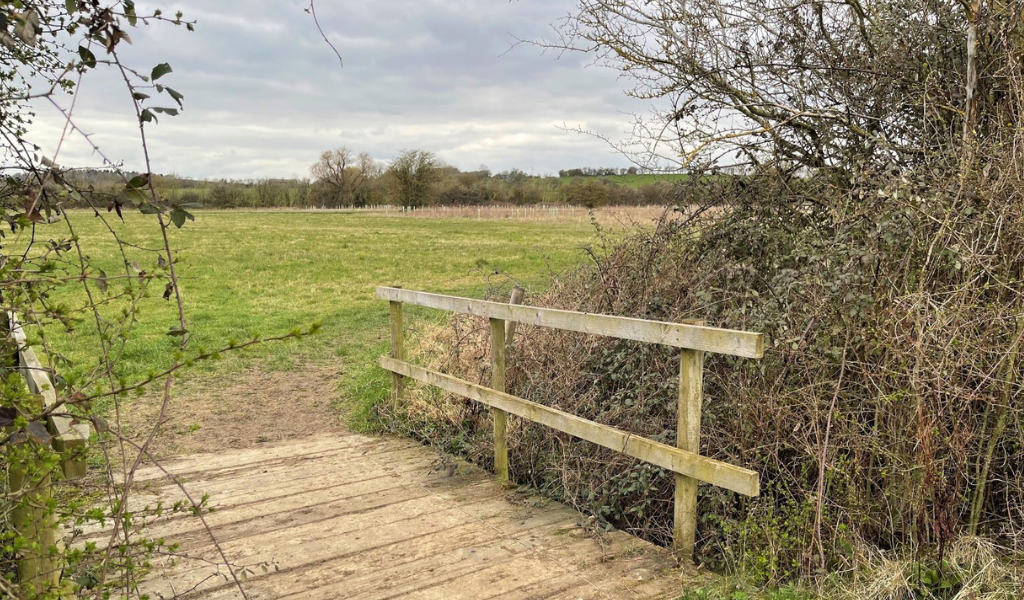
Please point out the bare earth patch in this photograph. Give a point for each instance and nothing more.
(257, 408)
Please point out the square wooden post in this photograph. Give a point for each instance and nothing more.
(691, 384)
(30, 483)
(516, 297)
(397, 353)
(498, 384)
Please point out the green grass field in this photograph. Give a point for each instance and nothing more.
(632, 181)
(265, 273)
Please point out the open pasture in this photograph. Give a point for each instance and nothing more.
(605, 215)
(248, 273)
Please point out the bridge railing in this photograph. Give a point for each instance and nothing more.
(39, 564)
(692, 338)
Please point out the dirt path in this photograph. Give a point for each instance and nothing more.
(256, 409)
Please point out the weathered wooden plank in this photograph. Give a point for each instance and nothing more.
(214, 465)
(694, 337)
(498, 384)
(262, 496)
(391, 571)
(344, 536)
(679, 461)
(691, 386)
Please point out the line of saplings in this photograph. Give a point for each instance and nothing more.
(434, 186)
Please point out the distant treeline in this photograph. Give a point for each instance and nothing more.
(414, 179)
(598, 172)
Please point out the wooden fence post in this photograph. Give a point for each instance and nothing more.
(691, 384)
(510, 326)
(502, 338)
(38, 568)
(498, 384)
(397, 353)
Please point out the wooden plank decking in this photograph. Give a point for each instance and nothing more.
(352, 516)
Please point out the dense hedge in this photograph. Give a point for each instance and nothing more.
(884, 417)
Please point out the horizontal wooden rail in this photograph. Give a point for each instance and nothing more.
(69, 438)
(679, 461)
(693, 337)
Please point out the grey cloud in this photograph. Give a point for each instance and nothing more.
(264, 94)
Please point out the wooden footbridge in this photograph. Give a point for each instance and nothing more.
(359, 517)
(363, 517)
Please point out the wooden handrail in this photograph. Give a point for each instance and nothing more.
(693, 337)
(38, 567)
(69, 438)
(691, 464)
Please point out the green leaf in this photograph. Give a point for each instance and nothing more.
(178, 97)
(147, 116)
(139, 181)
(88, 58)
(135, 194)
(178, 216)
(177, 332)
(100, 424)
(167, 111)
(71, 5)
(148, 209)
(140, 96)
(87, 581)
(160, 70)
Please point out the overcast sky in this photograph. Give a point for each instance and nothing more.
(264, 95)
